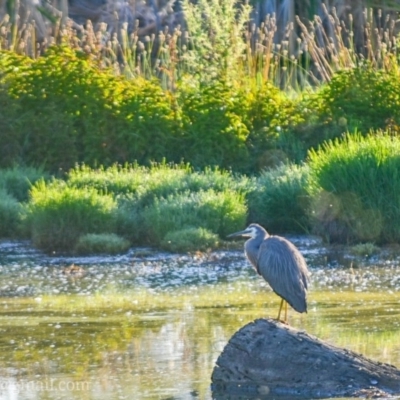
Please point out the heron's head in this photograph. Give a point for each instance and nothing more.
(252, 231)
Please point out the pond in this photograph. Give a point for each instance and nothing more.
(150, 325)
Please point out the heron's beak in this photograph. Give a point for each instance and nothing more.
(240, 233)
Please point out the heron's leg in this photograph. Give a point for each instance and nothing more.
(286, 311)
(280, 309)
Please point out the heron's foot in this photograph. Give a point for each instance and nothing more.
(282, 321)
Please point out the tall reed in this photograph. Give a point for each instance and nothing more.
(219, 39)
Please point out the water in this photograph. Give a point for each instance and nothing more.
(151, 326)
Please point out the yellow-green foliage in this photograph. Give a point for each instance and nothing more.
(269, 114)
(57, 215)
(214, 132)
(63, 108)
(230, 126)
(159, 180)
(66, 110)
(218, 54)
(363, 98)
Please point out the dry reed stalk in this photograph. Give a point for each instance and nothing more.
(309, 52)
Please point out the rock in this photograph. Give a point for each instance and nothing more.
(267, 359)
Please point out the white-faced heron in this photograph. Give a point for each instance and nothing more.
(280, 263)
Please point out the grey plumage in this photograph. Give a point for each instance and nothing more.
(280, 263)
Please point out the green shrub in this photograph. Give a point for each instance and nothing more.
(144, 127)
(101, 243)
(190, 239)
(11, 144)
(311, 125)
(135, 188)
(361, 98)
(216, 35)
(269, 114)
(68, 110)
(219, 212)
(58, 96)
(213, 131)
(58, 215)
(355, 189)
(17, 181)
(10, 215)
(364, 249)
(118, 180)
(280, 200)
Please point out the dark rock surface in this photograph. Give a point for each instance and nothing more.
(267, 359)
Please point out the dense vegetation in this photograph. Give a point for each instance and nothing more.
(93, 147)
(178, 209)
(59, 110)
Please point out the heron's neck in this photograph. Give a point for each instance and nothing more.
(256, 242)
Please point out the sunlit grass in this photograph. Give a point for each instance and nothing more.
(142, 300)
(355, 188)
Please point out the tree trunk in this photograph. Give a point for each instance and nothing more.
(266, 359)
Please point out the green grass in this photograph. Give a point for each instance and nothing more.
(101, 243)
(17, 181)
(142, 205)
(131, 178)
(219, 212)
(355, 185)
(364, 249)
(190, 239)
(348, 191)
(158, 180)
(58, 215)
(149, 198)
(279, 200)
(10, 215)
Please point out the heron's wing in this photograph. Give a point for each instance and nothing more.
(281, 264)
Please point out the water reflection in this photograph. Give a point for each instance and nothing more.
(152, 327)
